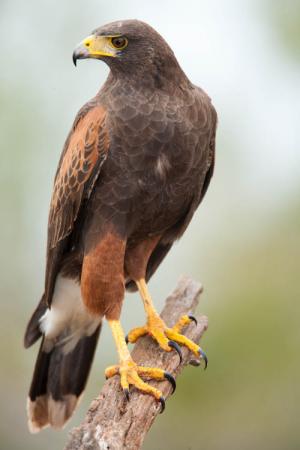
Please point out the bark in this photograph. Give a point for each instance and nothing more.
(112, 423)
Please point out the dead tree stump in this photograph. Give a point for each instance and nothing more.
(112, 423)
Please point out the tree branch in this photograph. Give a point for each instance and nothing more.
(112, 423)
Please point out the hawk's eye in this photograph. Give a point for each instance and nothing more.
(119, 42)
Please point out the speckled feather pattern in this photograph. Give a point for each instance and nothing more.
(159, 156)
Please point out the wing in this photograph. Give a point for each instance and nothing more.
(79, 167)
(83, 155)
(210, 167)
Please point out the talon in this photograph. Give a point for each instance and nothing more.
(126, 393)
(176, 347)
(162, 403)
(204, 357)
(172, 381)
(130, 373)
(193, 319)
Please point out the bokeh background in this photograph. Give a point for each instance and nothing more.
(243, 244)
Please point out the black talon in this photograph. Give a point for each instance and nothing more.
(176, 347)
(126, 339)
(126, 393)
(162, 403)
(204, 357)
(171, 379)
(193, 319)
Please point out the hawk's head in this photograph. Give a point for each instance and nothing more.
(127, 46)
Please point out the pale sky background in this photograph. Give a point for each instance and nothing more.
(244, 54)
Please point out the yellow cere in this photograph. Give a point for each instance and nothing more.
(100, 45)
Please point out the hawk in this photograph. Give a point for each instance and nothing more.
(134, 168)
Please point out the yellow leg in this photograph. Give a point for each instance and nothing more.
(130, 373)
(167, 338)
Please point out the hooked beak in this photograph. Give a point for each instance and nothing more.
(79, 53)
(94, 47)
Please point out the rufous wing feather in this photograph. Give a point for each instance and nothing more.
(79, 167)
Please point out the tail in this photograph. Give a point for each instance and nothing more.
(59, 376)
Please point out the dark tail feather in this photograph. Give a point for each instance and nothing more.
(33, 332)
(58, 381)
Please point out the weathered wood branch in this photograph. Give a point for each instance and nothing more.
(112, 423)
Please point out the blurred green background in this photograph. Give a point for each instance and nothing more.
(243, 244)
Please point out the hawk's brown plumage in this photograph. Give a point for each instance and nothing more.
(79, 166)
(135, 167)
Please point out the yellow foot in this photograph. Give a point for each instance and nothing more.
(168, 338)
(130, 374)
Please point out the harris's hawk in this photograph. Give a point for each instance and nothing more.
(135, 166)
